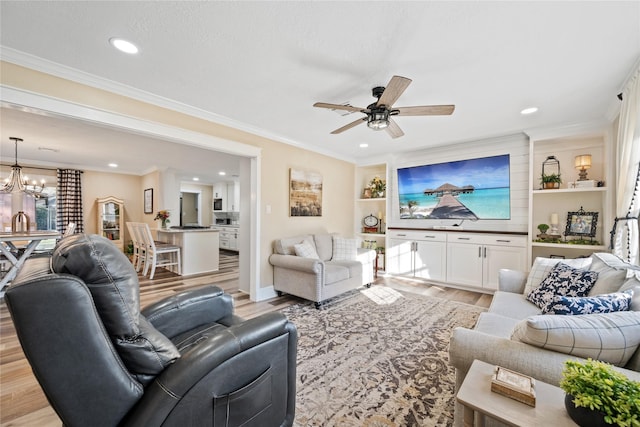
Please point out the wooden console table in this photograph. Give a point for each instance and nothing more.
(475, 395)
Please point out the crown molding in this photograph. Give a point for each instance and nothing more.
(58, 70)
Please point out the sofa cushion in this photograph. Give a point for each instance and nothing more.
(286, 246)
(306, 250)
(324, 245)
(344, 249)
(334, 272)
(542, 267)
(512, 305)
(562, 280)
(612, 273)
(609, 337)
(495, 324)
(606, 303)
(354, 267)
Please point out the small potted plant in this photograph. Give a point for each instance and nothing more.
(163, 216)
(597, 395)
(550, 181)
(543, 230)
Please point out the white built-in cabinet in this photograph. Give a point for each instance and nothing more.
(475, 259)
(229, 192)
(565, 144)
(418, 254)
(464, 259)
(376, 206)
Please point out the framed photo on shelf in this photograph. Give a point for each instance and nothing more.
(148, 200)
(581, 223)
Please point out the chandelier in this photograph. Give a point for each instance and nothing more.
(16, 182)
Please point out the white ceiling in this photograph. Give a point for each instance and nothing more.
(260, 66)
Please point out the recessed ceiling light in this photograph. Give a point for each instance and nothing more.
(123, 45)
(222, 173)
(195, 178)
(364, 145)
(113, 165)
(529, 110)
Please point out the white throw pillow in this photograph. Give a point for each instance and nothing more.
(610, 337)
(306, 250)
(542, 267)
(344, 249)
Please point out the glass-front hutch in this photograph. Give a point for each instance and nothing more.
(110, 219)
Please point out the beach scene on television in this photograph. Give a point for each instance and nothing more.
(465, 189)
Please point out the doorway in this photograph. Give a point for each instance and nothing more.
(190, 208)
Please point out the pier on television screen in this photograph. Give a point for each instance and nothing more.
(465, 189)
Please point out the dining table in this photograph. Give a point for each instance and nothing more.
(16, 247)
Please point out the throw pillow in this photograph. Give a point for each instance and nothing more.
(612, 273)
(306, 250)
(542, 267)
(344, 249)
(562, 280)
(610, 337)
(607, 303)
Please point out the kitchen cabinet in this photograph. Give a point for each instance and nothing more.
(476, 259)
(111, 219)
(417, 254)
(228, 193)
(229, 237)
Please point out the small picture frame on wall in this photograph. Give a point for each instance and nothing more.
(581, 223)
(148, 201)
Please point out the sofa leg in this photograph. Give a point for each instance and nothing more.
(279, 293)
(318, 305)
(368, 285)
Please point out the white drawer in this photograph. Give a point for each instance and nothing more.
(432, 236)
(487, 239)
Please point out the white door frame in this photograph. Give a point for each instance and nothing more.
(42, 104)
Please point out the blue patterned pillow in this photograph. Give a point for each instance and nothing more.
(562, 280)
(605, 303)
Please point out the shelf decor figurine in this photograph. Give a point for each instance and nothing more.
(550, 178)
(377, 186)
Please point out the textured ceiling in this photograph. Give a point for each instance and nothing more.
(260, 66)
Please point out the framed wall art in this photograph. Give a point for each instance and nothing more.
(148, 200)
(305, 193)
(581, 223)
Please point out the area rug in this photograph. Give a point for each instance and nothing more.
(377, 358)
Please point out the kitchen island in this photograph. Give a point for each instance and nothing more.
(199, 248)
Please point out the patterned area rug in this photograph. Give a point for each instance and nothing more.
(377, 358)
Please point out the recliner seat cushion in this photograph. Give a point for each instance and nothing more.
(335, 273)
(113, 283)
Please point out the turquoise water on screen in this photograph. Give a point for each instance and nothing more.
(489, 203)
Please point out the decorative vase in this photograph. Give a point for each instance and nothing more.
(163, 223)
(380, 194)
(582, 416)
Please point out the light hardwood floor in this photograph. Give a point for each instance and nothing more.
(22, 402)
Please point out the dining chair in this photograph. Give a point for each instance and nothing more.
(158, 254)
(139, 251)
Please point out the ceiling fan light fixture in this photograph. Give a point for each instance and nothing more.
(378, 120)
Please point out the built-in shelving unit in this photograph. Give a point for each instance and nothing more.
(376, 206)
(565, 144)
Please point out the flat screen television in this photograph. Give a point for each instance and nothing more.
(465, 189)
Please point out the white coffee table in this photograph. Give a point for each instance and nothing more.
(475, 395)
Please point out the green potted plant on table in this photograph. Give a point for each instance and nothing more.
(598, 395)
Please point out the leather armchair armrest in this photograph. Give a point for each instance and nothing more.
(186, 310)
(307, 265)
(197, 364)
(512, 281)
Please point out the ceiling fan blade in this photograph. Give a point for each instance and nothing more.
(394, 130)
(426, 110)
(337, 107)
(397, 85)
(349, 126)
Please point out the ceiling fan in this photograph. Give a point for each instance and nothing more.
(378, 114)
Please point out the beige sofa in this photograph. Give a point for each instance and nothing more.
(497, 336)
(338, 265)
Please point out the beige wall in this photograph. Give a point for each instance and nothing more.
(277, 159)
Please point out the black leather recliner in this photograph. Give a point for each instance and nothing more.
(184, 361)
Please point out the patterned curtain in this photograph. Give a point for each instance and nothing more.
(69, 200)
